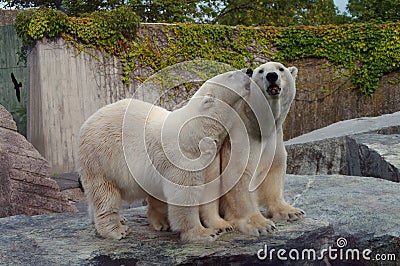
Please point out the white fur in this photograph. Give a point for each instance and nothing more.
(239, 206)
(131, 142)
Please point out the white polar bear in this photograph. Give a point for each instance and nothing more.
(130, 148)
(239, 206)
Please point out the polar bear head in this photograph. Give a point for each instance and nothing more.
(228, 87)
(216, 98)
(199, 128)
(219, 96)
(278, 84)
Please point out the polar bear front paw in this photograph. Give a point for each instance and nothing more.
(117, 232)
(123, 220)
(256, 225)
(200, 234)
(284, 212)
(218, 224)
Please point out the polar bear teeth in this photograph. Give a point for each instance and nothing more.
(274, 90)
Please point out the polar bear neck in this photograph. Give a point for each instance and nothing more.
(253, 124)
(285, 102)
(276, 107)
(192, 129)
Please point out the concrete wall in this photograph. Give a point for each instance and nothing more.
(65, 89)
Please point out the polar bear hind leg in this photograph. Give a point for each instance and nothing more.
(157, 214)
(104, 202)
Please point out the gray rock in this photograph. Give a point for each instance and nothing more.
(67, 180)
(320, 157)
(344, 148)
(381, 155)
(364, 211)
(384, 123)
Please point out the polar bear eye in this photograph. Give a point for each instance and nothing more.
(281, 69)
(261, 71)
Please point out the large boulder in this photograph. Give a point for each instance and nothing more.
(25, 186)
(346, 215)
(358, 147)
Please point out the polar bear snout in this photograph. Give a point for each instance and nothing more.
(273, 83)
(237, 85)
(272, 77)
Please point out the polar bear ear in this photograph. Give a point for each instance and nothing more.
(208, 100)
(293, 70)
(248, 71)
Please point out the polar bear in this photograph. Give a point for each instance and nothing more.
(132, 150)
(240, 206)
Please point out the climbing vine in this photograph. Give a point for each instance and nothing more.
(102, 30)
(367, 51)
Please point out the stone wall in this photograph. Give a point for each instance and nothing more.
(320, 102)
(25, 186)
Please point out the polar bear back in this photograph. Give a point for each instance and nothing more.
(102, 149)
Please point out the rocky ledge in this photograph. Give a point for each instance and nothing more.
(368, 146)
(346, 216)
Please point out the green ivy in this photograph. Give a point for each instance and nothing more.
(101, 29)
(33, 25)
(367, 51)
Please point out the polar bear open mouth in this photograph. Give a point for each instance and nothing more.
(273, 90)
